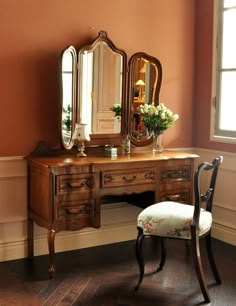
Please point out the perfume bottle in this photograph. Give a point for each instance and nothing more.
(126, 145)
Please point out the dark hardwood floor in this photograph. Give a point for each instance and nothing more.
(106, 276)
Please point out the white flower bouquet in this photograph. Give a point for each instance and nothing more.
(116, 108)
(157, 118)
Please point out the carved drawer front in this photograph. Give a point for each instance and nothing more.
(175, 174)
(181, 195)
(128, 177)
(80, 209)
(74, 183)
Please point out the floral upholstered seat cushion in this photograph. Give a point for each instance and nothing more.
(172, 219)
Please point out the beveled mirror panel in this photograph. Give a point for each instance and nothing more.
(145, 77)
(101, 85)
(68, 113)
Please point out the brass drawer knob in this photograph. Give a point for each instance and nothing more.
(129, 179)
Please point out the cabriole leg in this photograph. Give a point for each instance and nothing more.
(139, 256)
(51, 241)
(30, 229)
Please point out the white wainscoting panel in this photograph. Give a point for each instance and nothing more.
(224, 208)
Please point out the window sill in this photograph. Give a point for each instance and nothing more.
(223, 139)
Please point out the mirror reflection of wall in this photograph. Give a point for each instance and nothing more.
(86, 80)
(151, 80)
(67, 95)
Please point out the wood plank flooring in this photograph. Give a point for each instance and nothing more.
(106, 276)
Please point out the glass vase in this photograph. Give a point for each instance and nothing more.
(158, 143)
(117, 124)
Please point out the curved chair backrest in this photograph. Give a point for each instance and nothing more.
(207, 196)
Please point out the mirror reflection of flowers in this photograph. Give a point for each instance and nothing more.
(67, 112)
(116, 108)
(158, 118)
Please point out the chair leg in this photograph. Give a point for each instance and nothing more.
(211, 259)
(187, 247)
(139, 256)
(163, 254)
(198, 264)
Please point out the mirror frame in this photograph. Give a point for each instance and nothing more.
(155, 98)
(127, 94)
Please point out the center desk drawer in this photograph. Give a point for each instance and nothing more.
(74, 183)
(111, 178)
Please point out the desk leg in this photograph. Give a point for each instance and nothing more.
(30, 229)
(51, 239)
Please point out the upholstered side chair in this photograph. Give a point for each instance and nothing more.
(184, 222)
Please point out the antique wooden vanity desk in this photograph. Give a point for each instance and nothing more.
(66, 191)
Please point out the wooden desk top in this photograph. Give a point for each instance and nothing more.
(73, 160)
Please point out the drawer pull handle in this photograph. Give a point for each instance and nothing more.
(86, 183)
(173, 197)
(78, 211)
(75, 186)
(176, 175)
(129, 180)
(182, 197)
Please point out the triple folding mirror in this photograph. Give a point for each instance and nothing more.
(95, 92)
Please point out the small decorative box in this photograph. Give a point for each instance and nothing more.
(110, 151)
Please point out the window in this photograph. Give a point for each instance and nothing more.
(224, 108)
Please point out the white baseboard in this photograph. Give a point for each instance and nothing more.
(88, 238)
(224, 233)
(67, 241)
(118, 223)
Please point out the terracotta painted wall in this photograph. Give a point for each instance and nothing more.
(33, 33)
(203, 79)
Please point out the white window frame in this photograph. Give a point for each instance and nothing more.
(215, 133)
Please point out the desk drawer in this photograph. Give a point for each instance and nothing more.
(175, 174)
(76, 210)
(128, 177)
(177, 195)
(74, 183)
